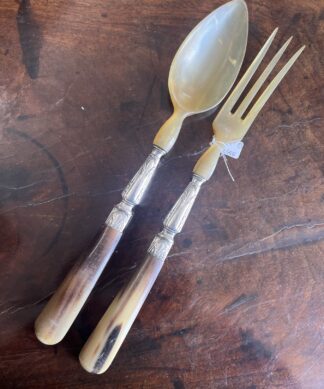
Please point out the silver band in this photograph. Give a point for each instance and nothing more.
(132, 195)
(176, 218)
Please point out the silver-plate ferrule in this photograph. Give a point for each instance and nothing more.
(173, 223)
(132, 195)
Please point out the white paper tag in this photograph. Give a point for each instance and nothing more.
(233, 149)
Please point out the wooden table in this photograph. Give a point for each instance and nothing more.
(239, 303)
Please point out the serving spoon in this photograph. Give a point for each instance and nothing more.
(202, 72)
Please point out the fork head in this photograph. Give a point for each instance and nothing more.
(231, 126)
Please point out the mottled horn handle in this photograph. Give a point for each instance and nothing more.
(60, 312)
(62, 309)
(102, 346)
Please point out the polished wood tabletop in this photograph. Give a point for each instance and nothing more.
(240, 300)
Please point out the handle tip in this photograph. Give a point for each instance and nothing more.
(87, 364)
(84, 362)
(97, 354)
(45, 333)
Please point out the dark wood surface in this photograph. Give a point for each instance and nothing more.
(239, 303)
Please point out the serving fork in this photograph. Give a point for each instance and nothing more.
(229, 127)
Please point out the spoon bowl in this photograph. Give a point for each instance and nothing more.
(208, 61)
(205, 66)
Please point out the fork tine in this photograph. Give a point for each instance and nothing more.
(232, 99)
(270, 88)
(258, 84)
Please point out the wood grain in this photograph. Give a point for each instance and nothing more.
(239, 302)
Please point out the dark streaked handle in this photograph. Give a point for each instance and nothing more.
(60, 312)
(102, 346)
(105, 341)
